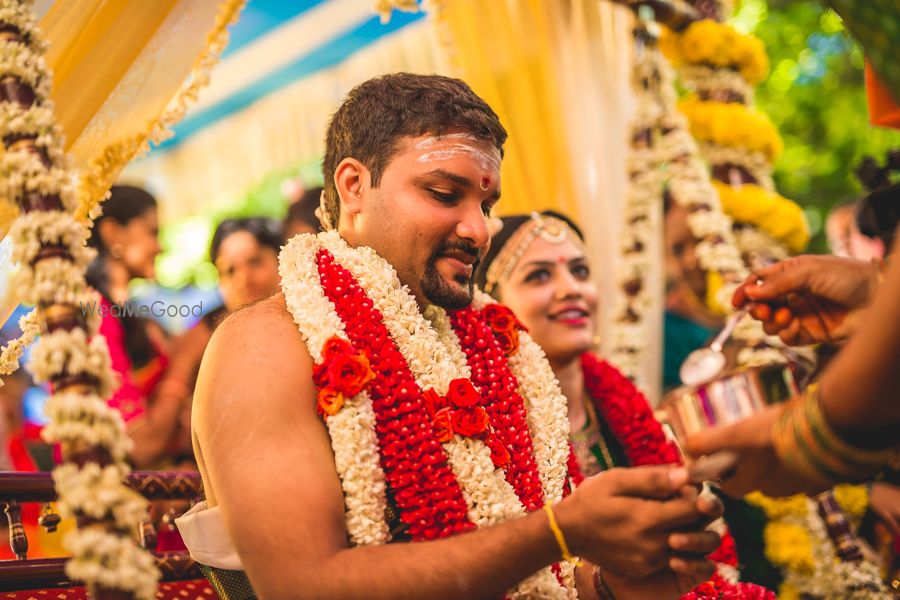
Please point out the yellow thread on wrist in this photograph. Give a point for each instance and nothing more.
(560, 538)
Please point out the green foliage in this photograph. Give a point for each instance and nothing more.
(816, 97)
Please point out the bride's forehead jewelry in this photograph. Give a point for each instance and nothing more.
(550, 229)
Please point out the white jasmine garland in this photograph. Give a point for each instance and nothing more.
(701, 78)
(86, 418)
(433, 362)
(644, 194)
(34, 229)
(21, 15)
(72, 353)
(12, 351)
(352, 429)
(111, 561)
(830, 578)
(707, 223)
(97, 493)
(37, 120)
(21, 61)
(757, 244)
(51, 281)
(104, 555)
(24, 171)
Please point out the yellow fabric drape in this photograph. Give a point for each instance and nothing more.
(503, 49)
(118, 63)
(87, 61)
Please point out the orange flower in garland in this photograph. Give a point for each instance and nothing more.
(329, 402)
(509, 341)
(442, 423)
(350, 373)
(505, 325)
(343, 373)
(500, 318)
(434, 402)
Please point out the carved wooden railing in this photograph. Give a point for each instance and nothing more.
(24, 573)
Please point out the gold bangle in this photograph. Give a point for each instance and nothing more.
(560, 538)
(855, 459)
(785, 442)
(806, 444)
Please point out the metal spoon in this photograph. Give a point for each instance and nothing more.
(705, 364)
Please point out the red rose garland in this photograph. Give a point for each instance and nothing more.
(486, 357)
(415, 465)
(630, 419)
(627, 413)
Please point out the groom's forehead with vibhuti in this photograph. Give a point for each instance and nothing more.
(379, 115)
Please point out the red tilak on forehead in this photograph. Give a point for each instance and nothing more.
(485, 182)
(562, 260)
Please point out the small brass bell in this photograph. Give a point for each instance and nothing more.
(49, 520)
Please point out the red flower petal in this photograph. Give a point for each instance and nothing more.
(463, 394)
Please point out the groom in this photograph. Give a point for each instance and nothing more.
(412, 170)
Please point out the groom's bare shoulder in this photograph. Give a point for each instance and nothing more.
(256, 361)
(258, 334)
(255, 422)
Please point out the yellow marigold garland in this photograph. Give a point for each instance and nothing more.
(797, 541)
(780, 218)
(788, 545)
(853, 500)
(733, 125)
(715, 44)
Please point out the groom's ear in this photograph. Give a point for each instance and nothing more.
(351, 179)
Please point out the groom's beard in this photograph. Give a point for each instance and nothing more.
(443, 294)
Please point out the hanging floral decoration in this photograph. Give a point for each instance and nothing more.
(664, 159)
(49, 247)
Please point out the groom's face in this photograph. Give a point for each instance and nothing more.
(428, 215)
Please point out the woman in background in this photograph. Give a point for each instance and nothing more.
(245, 253)
(126, 239)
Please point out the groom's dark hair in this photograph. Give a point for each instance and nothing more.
(380, 111)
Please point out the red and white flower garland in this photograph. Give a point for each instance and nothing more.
(393, 430)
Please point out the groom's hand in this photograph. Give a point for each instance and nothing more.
(638, 521)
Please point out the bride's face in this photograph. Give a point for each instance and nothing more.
(552, 293)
